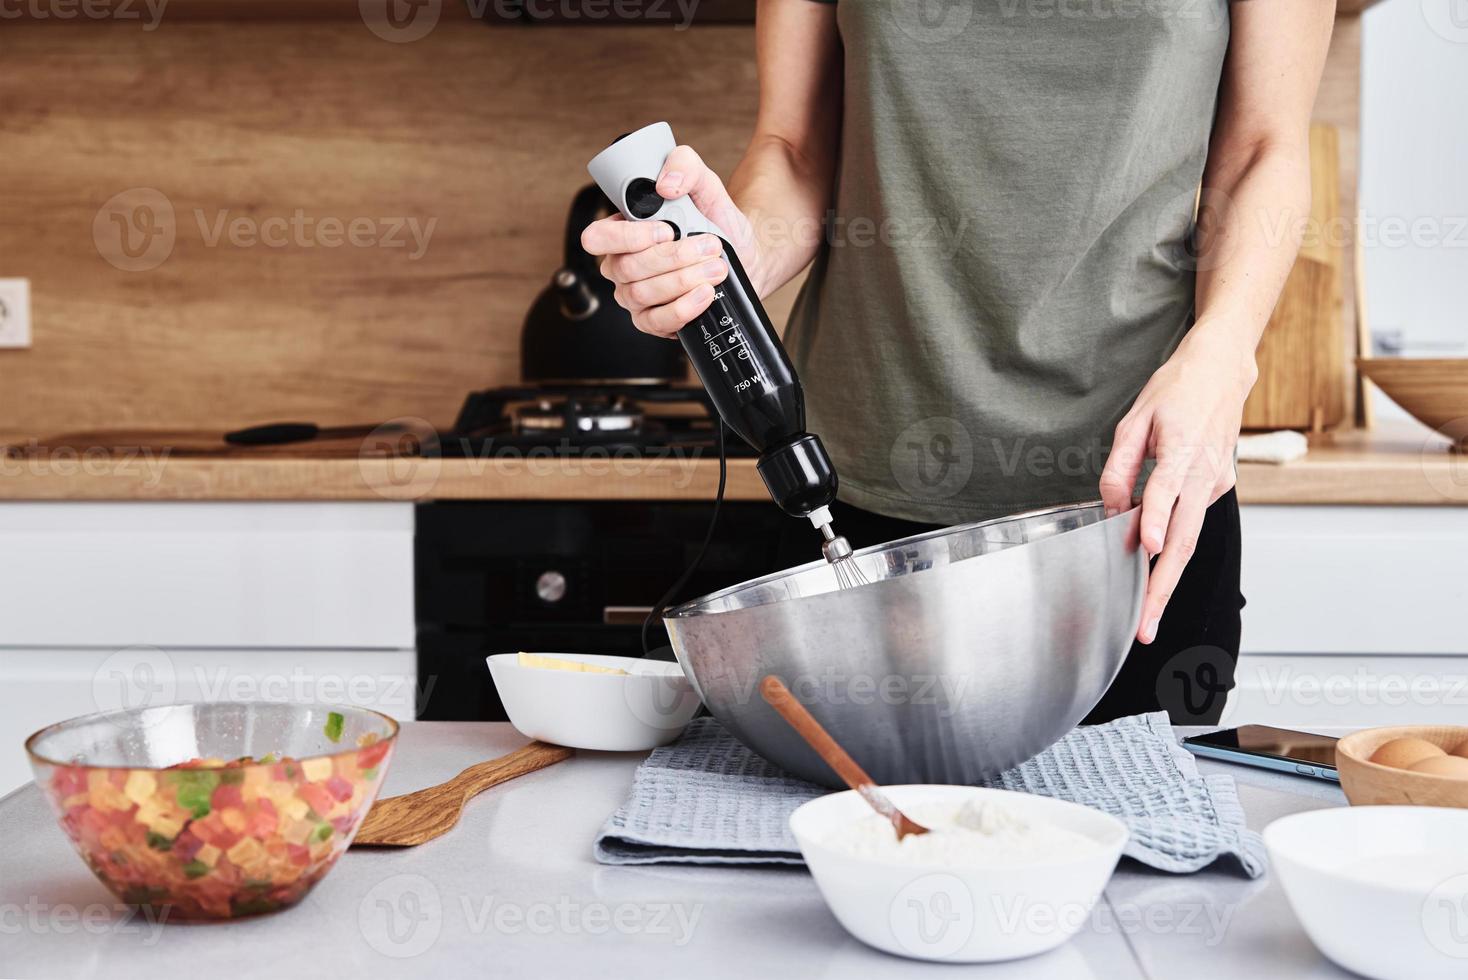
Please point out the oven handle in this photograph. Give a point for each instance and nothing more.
(624, 615)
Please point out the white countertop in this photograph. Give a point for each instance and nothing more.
(514, 891)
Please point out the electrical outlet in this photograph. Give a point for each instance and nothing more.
(15, 312)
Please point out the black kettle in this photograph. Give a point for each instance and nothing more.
(576, 334)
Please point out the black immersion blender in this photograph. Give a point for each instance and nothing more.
(735, 351)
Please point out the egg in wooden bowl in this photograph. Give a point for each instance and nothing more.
(1421, 765)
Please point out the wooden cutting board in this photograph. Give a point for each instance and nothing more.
(349, 442)
(1302, 358)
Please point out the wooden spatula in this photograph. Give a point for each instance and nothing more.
(816, 736)
(404, 821)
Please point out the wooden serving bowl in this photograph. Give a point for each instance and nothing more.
(1368, 784)
(1433, 390)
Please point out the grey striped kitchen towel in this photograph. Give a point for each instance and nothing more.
(706, 799)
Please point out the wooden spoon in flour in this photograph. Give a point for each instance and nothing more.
(805, 725)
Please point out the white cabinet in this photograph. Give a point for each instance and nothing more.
(1354, 617)
(104, 605)
(207, 574)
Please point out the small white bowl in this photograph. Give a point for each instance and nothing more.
(959, 914)
(1381, 890)
(647, 707)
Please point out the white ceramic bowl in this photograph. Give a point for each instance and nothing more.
(956, 914)
(646, 708)
(1381, 890)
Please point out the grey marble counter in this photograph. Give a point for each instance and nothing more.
(513, 891)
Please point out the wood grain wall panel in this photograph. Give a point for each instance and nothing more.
(482, 131)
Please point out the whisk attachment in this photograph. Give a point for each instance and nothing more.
(837, 551)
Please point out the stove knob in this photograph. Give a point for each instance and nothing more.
(551, 586)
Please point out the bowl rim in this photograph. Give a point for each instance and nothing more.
(691, 608)
(393, 730)
(510, 661)
(1114, 824)
(1270, 836)
(1346, 746)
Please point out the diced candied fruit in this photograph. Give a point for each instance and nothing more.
(297, 831)
(69, 780)
(246, 852)
(316, 770)
(227, 796)
(213, 837)
(103, 794)
(165, 826)
(316, 797)
(140, 786)
(371, 756)
(262, 820)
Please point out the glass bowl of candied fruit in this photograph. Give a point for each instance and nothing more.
(217, 810)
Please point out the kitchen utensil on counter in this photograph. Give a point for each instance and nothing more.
(778, 695)
(972, 648)
(732, 345)
(955, 913)
(420, 816)
(633, 712)
(576, 334)
(1380, 890)
(1368, 783)
(273, 440)
(1433, 390)
(384, 434)
(269, 796)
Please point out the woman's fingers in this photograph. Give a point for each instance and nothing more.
(638, 296)
(1123, 465)
(1182, 540)
(684, 172)
(661, 259)
(617, 236)
(1164, 487)
(664, 283)
(668, 319)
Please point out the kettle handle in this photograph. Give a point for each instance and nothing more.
(588, 205)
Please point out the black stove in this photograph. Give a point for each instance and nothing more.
(569, 576)
(572, 420)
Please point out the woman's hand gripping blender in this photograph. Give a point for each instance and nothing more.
(662, 257)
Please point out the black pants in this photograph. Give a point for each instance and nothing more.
(1186, 671)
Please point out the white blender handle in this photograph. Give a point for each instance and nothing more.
(624, 169)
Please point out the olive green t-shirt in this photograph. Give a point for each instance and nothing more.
(1005, 264)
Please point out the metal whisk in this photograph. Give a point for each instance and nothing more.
(838, 552)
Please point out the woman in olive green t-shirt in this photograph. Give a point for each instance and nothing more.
(1010, 305)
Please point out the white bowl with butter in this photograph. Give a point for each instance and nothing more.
(593, 701)
(1013, 875)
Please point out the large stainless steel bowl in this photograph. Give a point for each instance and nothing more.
(969, 650)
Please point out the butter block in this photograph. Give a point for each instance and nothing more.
(556, 663)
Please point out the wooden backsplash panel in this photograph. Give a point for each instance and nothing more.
(482, 130)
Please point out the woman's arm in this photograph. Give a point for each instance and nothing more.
(784, 182)
(1257, 182)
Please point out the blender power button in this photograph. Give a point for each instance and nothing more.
(643, 200)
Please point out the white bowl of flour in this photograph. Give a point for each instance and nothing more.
(1002, 875)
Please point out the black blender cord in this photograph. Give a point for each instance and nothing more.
(656, 613)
